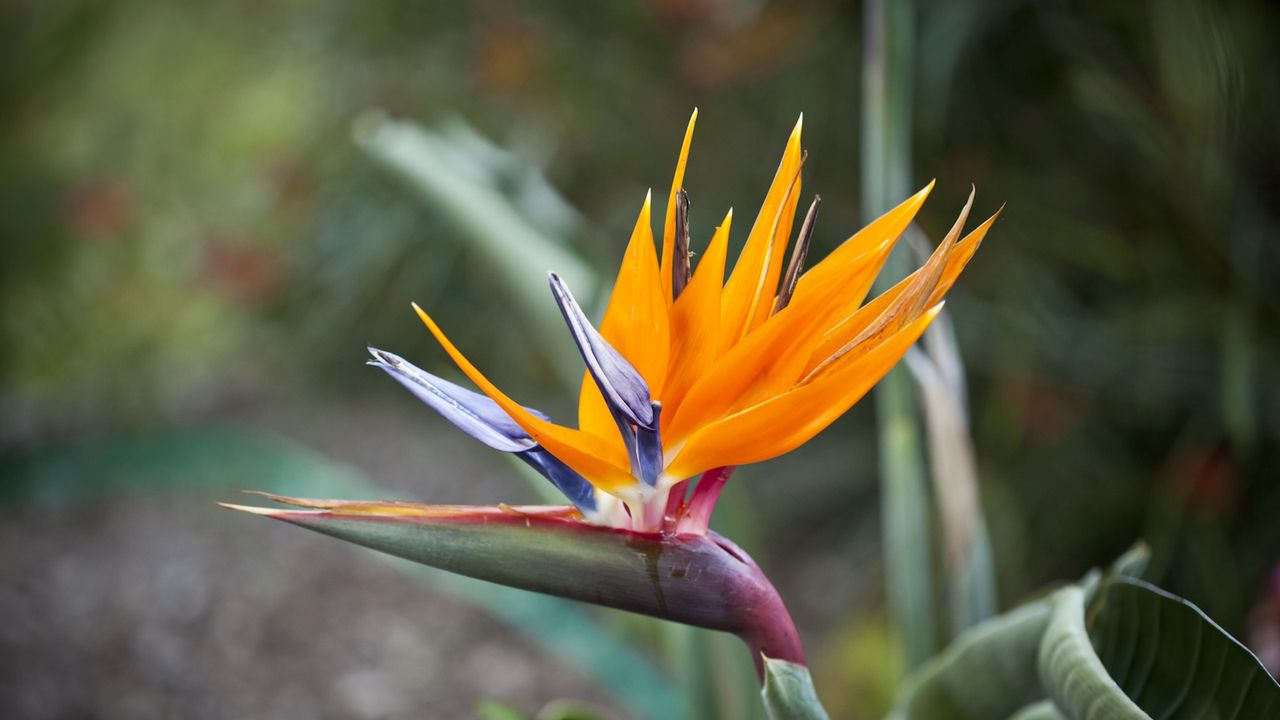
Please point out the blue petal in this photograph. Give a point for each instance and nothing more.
(649, 450)
(470, 412)
(621, 384)
(574, 486)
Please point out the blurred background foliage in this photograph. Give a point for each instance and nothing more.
(195, 228)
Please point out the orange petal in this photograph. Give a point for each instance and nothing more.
(669, 225)
(837, 288)
(773, 356)
(748, 293)
(761, 306)
(695, 316)
(960, 258)
(826, 281)
(784, 422)
(766, 362)
(581, 451)
(854, 324)
(635, 324)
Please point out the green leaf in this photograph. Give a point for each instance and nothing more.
(1133, 563)
(1071, 671)
(988, 672)
(568, 710)
(1140, 652)
(1043, 710)
(1172, 660)
(788, 692)
(494, 710)
(446, 175)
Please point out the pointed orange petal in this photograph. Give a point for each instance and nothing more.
(594, 416)
(761, 306)
(635, 324)
(581, 451)
(784, 422)
(747, 293)
(960, 258)
(906, 307)
(669, 225)
(854, 324)
(695, 316)
(827, 279)
(773, 356)
(767, 361)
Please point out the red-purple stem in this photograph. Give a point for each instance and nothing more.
(697, 515)
(768, 629)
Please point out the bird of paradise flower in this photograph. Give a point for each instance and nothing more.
(687, 376)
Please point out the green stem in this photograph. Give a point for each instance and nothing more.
(888, 39)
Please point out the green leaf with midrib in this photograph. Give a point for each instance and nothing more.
(1137, 652)
(1172, 660)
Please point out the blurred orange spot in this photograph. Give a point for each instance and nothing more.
(508, 57)
(714, 57)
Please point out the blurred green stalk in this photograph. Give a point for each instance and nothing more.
(888, 44)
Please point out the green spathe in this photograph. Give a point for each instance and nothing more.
(700, 580)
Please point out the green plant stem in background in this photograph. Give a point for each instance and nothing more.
(886, 175)
(970, 569)
(717, 678)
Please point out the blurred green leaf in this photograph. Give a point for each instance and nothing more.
(1043, 710)
(494, 710)
(452, 176)
(554, 710)
(1133, 563)
(568, 710)
(989, 671)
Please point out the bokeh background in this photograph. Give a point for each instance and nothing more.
(207, 210)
